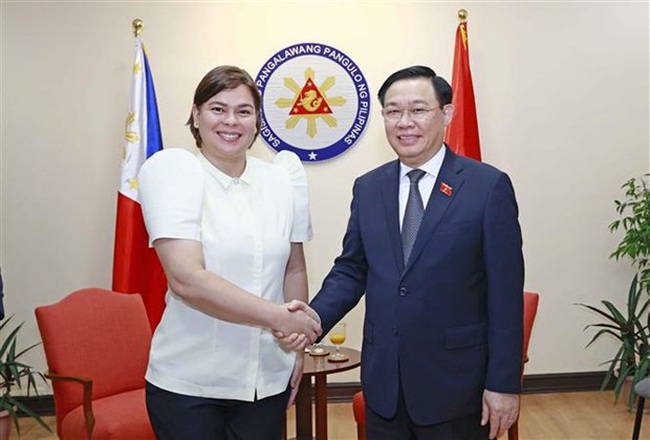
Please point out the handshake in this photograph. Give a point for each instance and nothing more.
(298, 326)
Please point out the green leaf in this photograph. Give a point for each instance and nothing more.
(13, 372)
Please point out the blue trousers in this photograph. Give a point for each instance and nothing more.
(180, 417)
(401, 427)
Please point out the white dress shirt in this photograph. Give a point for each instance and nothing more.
(246, 226)
(432, 169)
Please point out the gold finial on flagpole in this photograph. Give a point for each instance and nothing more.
(462, 15)
(137, 27)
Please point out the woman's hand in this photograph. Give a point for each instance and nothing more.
(297, 341)
(296, 376)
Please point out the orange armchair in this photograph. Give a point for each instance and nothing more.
(359, 410)
(96, 344)
(531, 301)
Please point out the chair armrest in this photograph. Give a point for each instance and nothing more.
(89, 417)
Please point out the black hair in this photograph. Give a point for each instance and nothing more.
(441, 87)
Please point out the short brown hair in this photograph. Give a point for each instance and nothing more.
(224, 78)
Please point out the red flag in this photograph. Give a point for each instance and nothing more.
(445, 189)
(136, 268)
(462, 132)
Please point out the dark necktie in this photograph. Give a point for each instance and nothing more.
(413, 213)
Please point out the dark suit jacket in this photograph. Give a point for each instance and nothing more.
(450, 322)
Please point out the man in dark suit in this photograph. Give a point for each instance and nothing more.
(438, 255)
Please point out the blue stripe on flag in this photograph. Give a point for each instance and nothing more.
(154, 136)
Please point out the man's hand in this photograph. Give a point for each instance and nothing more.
(296, 376)
(500, 410)
(296, 305)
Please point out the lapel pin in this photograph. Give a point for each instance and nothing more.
(446, 189)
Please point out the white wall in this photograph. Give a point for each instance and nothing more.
(562, 96)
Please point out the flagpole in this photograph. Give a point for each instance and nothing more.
(462, 15)
(136, 268)
(138, 25)
(462, 132)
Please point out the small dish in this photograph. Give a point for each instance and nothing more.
(336, 359)
(318, 351)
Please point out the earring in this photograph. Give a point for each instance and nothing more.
(196, 124)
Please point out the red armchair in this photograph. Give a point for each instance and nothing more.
(96, 344)
(359, 410)
(531, 301)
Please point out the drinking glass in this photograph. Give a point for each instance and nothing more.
(337, 337)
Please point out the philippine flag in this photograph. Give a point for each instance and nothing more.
(136, 268)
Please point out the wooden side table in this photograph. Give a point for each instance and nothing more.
(319, 367)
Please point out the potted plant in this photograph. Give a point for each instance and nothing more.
(13, 372)
(634, 213)
(630, 326)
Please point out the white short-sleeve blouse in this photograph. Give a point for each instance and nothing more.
(245, 226)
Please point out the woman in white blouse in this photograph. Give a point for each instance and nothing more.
(228, 229)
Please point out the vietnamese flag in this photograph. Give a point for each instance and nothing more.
(462, 131)
(136, 268)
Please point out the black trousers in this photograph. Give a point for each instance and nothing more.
(180, 417)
